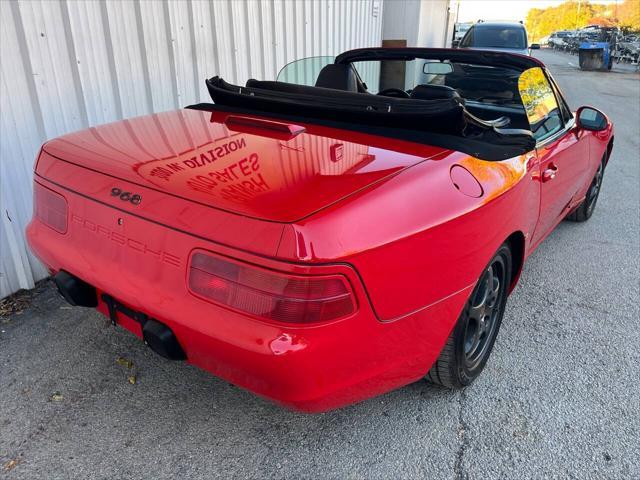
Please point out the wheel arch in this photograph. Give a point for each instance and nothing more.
(609, 150)
(516, 242)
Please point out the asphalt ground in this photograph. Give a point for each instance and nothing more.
(559, 397)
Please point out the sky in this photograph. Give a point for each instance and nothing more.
(473, 10)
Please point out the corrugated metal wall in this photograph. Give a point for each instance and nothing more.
(68, 65)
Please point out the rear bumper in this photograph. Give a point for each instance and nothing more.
(310, 369)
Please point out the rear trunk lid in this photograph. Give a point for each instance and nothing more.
(189, 155)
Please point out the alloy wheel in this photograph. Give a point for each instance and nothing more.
(483, 313)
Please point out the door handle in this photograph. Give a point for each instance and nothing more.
(549, 173)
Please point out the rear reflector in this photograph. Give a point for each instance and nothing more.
(270, 295)
(50, 208)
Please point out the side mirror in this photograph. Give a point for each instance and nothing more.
(588, 118)
(535, 46)
(455, 43)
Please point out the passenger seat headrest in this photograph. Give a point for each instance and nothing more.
(434, 92)
(338, 77)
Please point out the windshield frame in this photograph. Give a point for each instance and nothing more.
(479, 57)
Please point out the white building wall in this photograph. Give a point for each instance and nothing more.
(422, 23)
(68, 65)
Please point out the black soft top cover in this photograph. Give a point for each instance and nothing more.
(439, 122)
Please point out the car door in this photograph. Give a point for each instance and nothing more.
(563, 157)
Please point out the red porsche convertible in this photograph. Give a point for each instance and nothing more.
(346, 230)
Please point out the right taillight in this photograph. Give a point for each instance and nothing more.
(50, 208)
(268, 294)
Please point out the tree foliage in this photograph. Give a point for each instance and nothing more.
(629, 15)
(572, 14)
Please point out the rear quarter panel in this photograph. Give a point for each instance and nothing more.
(416, 239)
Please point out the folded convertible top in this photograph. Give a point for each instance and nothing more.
(440, 122)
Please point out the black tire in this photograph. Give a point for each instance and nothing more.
(583, 212)
(468, 347)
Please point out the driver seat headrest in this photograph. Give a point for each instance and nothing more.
(434, 92)
(338, 77)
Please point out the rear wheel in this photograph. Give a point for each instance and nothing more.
(583, 212)
(469, 345)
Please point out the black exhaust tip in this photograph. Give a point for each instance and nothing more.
(162, 340)
(75, 291)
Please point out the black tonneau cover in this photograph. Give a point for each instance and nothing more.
(441, 115)
(439, 122)
(493, 144)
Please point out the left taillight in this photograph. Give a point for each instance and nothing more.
(268, 294)
(50, 208)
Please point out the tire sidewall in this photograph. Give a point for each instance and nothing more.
(590, 208)
(464, 375)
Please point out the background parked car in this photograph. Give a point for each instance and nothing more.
(627, 49)
(459, 31)
(622, 48)
(572, 42)
(498, 36)
(557, 40)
